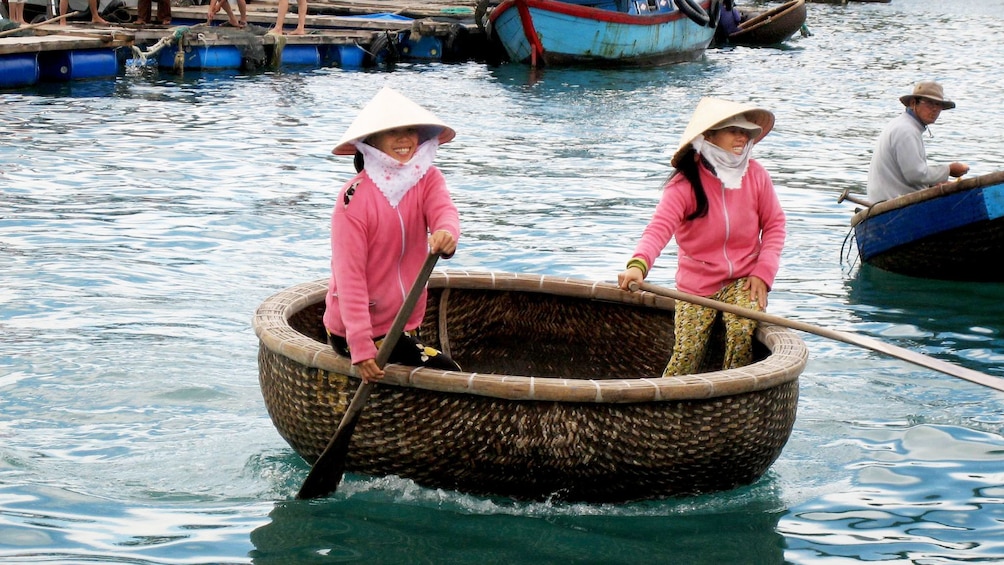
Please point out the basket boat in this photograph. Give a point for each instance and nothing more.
(770, 27)
(952, 231)
(564, 399)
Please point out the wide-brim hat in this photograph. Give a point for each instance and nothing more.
(715, 113)
(930, 90)
(390, 109)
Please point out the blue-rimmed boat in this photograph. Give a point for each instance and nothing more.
(604, 32)
(953, 231)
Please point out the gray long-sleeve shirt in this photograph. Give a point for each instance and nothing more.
(899, 163)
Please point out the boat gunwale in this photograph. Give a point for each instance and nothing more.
(785, 363)
(589, 13)
(930, 193)
(771, 16)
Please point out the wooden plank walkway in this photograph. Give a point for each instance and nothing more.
(40, 43)
(443, 30)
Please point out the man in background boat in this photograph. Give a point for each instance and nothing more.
(728, 20)
(899, 163)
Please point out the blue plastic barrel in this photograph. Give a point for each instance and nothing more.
(77, 64)
(18, 69)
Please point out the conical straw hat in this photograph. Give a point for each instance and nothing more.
(712, 112)
(389, 109)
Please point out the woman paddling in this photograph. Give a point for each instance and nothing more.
(721, 206)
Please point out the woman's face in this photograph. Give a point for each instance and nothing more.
(399, 143)
(731, 139)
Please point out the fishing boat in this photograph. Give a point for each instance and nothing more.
(562, 397)
(770, 27)
(603, 32)
(952, 231)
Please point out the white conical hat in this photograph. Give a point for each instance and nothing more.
(390, 109)
(715, 113)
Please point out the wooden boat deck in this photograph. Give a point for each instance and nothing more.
(327, 23)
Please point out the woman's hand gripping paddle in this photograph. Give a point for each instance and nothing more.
(327, 471)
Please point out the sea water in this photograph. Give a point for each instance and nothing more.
(143, 219)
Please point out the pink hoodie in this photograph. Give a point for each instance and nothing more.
(742, 234)
(376, 254)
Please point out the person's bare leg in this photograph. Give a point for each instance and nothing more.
(95, 14)
(64, 6)
(230, 13)
(301, 18)
(17, 12)
(242, 7)
(280, 17)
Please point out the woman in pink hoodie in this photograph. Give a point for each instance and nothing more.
(729, 226)
(386, 221)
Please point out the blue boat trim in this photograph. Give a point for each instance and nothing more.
(993, 197)
(638, 33)
(952, 231)
(923, 219)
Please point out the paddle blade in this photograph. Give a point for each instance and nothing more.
(327, 472)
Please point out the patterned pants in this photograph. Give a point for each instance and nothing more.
(409, 350)
(693, 331)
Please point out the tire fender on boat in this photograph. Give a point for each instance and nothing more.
(693, 10)
(715, 12)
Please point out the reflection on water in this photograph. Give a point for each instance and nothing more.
(901, 504)
(949, 319)
(373, 527)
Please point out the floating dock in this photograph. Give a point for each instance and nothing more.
(345, 34)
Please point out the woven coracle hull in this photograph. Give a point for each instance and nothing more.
(564, 398)
(954, 231)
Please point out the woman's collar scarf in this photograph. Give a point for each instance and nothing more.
(728, 166)
(392, 177)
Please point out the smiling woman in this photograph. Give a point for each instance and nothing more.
(399, 143)
(386, 220)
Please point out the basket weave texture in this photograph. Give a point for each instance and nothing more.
(565, 398)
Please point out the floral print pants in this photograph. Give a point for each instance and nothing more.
(693, 330)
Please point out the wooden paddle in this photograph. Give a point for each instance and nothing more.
(327, 471)
(977, 377)
(39, 24)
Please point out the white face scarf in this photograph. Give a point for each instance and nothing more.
(729, 167)
(392, 177)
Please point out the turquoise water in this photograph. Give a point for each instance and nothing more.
(142, 221)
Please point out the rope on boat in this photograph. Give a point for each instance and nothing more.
(277, 48)
(165, 41)
(846, 250)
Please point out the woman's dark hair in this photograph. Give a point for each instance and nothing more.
(688, 168)
(358, 162)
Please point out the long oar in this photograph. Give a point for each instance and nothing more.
(905, 354)
(327, 471)
(39, 24)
